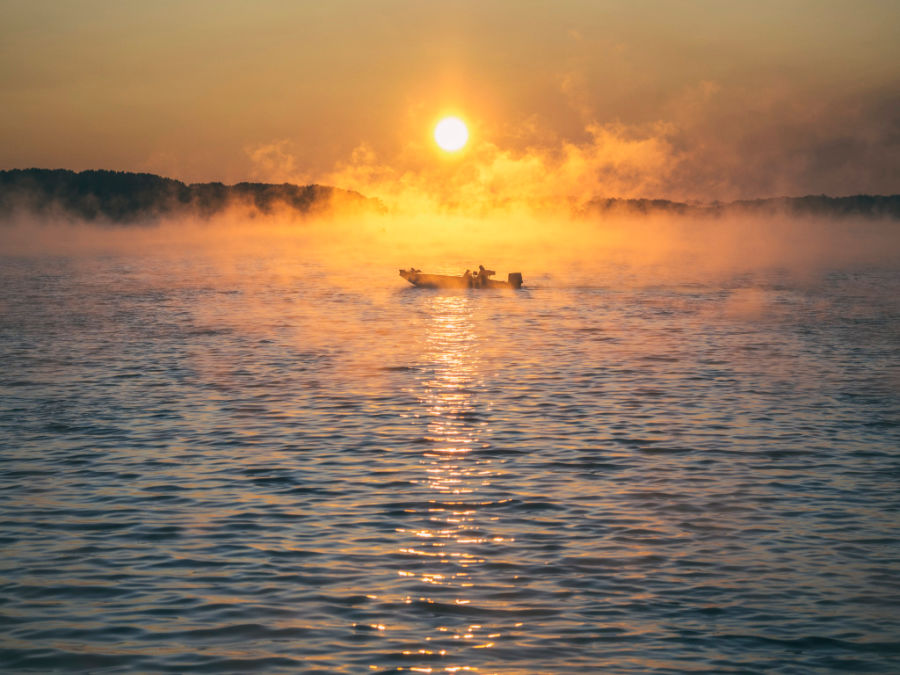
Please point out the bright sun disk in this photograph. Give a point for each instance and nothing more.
(451, 134)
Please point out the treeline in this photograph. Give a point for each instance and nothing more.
(124, 197)
(867, 206)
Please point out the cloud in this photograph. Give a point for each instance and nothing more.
(274, 162)
(710, 140)
(616, 160)
(739, 141)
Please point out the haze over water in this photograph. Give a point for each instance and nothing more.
(263, 460)
(233, 439)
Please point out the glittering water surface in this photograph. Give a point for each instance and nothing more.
(291, 472)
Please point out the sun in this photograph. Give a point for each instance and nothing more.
(451, 134)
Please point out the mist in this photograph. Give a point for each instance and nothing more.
(549, 248)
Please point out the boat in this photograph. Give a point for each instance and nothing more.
(479, 280)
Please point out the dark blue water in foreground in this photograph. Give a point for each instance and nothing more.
(249, 469)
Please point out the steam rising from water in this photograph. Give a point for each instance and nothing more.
(258, 437)
(547, 247)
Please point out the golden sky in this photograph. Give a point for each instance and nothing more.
(680, 99)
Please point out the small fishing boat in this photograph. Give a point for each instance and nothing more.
(481, 279)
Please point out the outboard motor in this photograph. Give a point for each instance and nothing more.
(514, 279)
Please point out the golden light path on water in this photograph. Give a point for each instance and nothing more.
(453, 542)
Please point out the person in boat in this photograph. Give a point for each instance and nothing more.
(482, 277)
(467, 277)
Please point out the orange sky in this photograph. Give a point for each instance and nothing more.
(685, 100)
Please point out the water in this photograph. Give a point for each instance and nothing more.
(253, 467)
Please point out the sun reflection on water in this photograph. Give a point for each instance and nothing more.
(448, 548)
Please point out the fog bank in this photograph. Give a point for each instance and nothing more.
(547, 248)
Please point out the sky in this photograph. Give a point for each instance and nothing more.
(687, 100)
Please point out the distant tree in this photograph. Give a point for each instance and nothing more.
(124, 197)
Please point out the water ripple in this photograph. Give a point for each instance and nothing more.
(283, 477)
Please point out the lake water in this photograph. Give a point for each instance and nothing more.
(248, 467)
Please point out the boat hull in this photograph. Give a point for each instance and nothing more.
(422, 280)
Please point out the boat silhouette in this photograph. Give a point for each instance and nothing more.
(479, 280)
